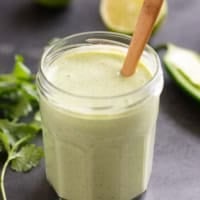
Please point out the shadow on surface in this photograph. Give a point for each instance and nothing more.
(140, 197)
(183, 109)
(43, 191)
(33, 15)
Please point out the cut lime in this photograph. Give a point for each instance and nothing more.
(183, 66)
(121, 15)
(53, 3)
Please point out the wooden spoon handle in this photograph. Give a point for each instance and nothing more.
(144, 26)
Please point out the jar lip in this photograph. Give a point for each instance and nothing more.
(92, 33)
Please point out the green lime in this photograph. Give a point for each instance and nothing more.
(121, 15)
(183, 65)
(53, 3)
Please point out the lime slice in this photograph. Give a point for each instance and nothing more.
(121, 15)
(183, 65)
(53, 3)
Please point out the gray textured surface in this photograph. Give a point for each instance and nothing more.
(176, 173)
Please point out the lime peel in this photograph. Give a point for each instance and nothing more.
(186, 61)
(173, 67)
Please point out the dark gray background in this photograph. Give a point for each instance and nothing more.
(25, 29)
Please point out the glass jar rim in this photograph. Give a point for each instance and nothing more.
(58, 41)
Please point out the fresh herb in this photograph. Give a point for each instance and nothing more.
(18, 99)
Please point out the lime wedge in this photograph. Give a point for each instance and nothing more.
(53, 3)
(183, 65)
(121, 15)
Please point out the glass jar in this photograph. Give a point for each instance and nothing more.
(98, 148)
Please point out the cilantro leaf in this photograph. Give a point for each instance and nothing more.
(18, 98)
(30, 90)
(20, 70)
(37, 117)
(7, 86)
(4, 142)
(6, 137)
(22, 108)
(28, 157)
(11, 132)
(1, 147)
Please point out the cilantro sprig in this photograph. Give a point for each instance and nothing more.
(18, 99)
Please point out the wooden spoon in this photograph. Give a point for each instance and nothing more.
(143, 30)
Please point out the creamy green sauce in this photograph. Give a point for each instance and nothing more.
(95, 71)
(92, 158)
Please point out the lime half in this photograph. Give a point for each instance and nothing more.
(121, 15)
(183, 65)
